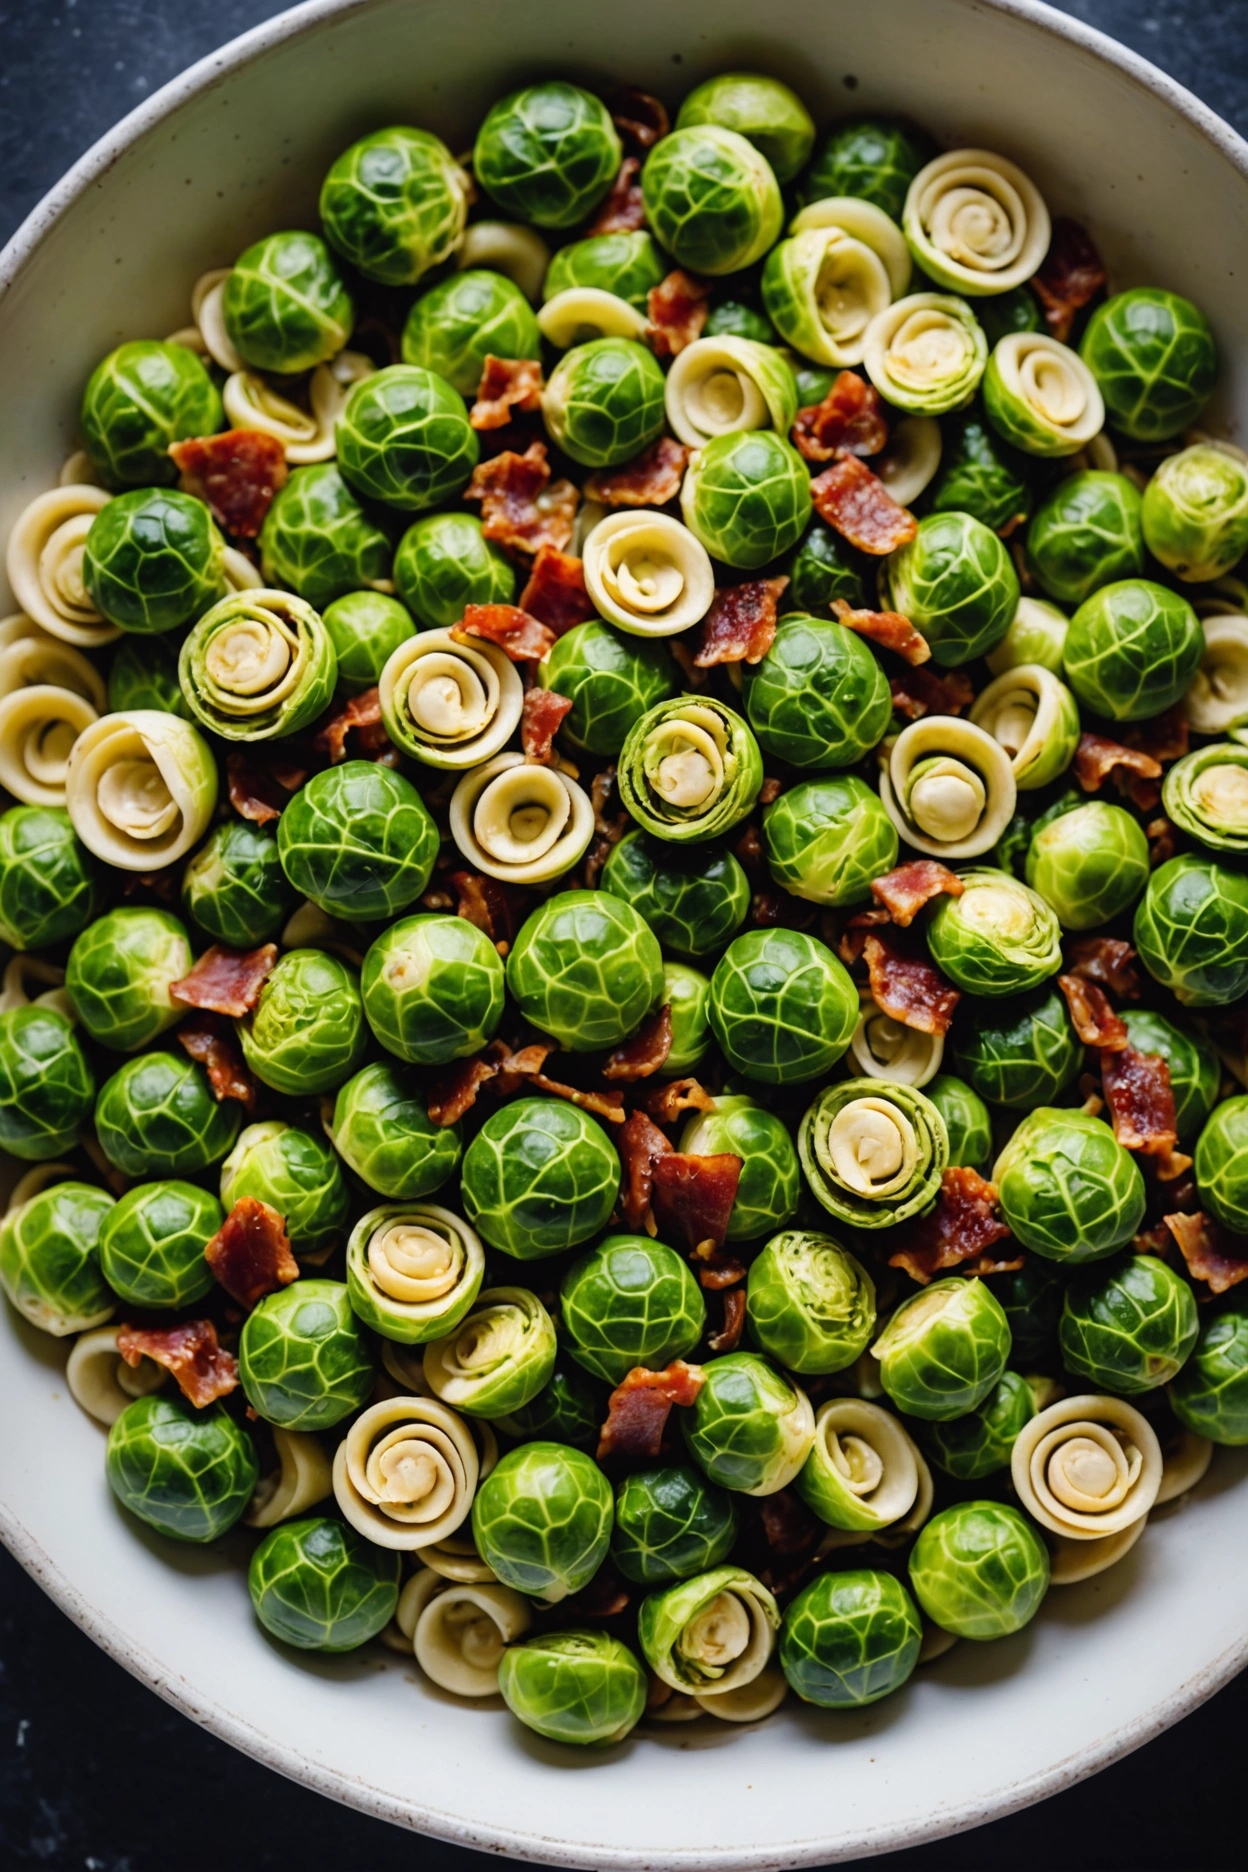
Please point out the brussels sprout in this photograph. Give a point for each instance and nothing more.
(319, 541)
(1041, 396)
(873, 1151)
(1155, 360)
(732, 318)
(687, 994)
(849, 1639)
(1037, 635)
(1020, 1053)
(413, 1271)
(981, 476)
(46, 1083)
(822, 567)
(152, 1244)
(153, 560)
(966, 1121)
(1015, 311)
(1128, 1327)
(1195, 511)
(542, 1520)
(365, 628)
(144, 675)
(1067, 1187)
(610, 681)
(925, 353)
(497, 1358)
(997, 938)
(320, 1586)
(956, 583)
(603, 403)
(826, 840)
(1031, 1298)
(1191, 930)
(50, 1261)
(286, 304)
(819, 697)
(384, 1132)
(294, 1172)
(823, 286)
(944, 1349)
(1221, 1167)
(1085, 534)
(445, 563)
(694, 898)
(119, 974)
(750, 1429)
(404, 438)
(746, 497)
(460, 322)
(303, 1357)
(306, 1033)
(432, 988)
(157, 1116)
(1206, 794)
(782, 1007)
(710, 1634)
(670, 1523)
(810, 1305)
(49, 882)
(358, 840)
(628, 266)
(689, 769)
(258, 665)
(770, 1185)
(568, 1409)
(394, 205)
(1035, 719)
(1132, 649)
(234, 887)
(874, 158)
(632, 1301)
(539, 1177)
(980, 1443)
(585, 969)
(979, 1570)
(188, 1474)
(1210, 1394)
(579, 1687)
(764, 111)
(1195, 1070)
(138, 400)
(711, 198)
(547, 154)
(1089, 863)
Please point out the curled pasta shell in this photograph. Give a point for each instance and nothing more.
(240, 573)
(1087, 1467)
(714, 1632)
(1042, 396)
(1183, 1466)
(975, 222)
(100, 1380)
(1072, 1561)
(456, 1558)
(948, 787)
(208, 314)
(718, 386)
(582, 313)
(462, 1633)
(406, 1472)
(926, 353)
(258, 664)
(882, 1048)
(911, 459)
(44, 564)
(400, 1633)
(405, 1364)
(1033, 715)
(747, 1703)
(28, 656)
(862, 1473)
(39, 727)
(141, 788)
(22, 973)
(302, 1478)
(864, 222)
(646, 573)
(521, 821)
(78, 470)
(1217, 698)
(308, 435)
(519, 253)
(413, 1270)
(450, 704)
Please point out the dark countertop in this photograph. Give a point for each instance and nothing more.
(93, 1767)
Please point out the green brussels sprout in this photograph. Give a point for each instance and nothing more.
(1089, 863)
(687, 994)
(46, 1083)
(50, 1261)
(979, 1570)
(383, 1130)
(1041, 396)
(1210, 1394)
(822, 567)
(956, 583)
(750, 1429)
(629, 266)
(874, 1151)
(1195, 511)
(819, 698)
(365, 628)
(138, 400)
(1067, 1188)
(461, 321)
(294, 1172)
(119, 974)
(849, 1639)
(1191, 930)
(540, 1176)
(764, 111)
(320, 1586)
(925, 353)
(966, 1120)
(826, 839)
(711, 198)
(413, 1271)
(632, 1301)
(603, 402)
(319, 541)
(980, 1443)
(782, 1007)
(980, 475)
(1020, 1053)
(303, 1357)
(445, 563)
(152, 1242)
(710, 1634)
(694, 897)
(585, 969)
(1085, 534)
(1037, 635)
(432, 988)
(286, 304)
(547, 154)
(306, 1033)
(732, 318)
(997, 938)
(670, 1522)
(1154, 359)
(153, 560)
(394, 205)
(569, 1408)
(258, 665)
(144, 675)
(770, 1186)
(497, 1358)
(234, 887)
(746, 497)
(1031, 1298)
(1220, 1165)
(49, 882)
(610, 681)
(1017, 310)
(580, 1687)
(1128, 1327)
(689, 769)
(874, 158)
(1132, 649)
(1195, 1070)
(188, 1474)
(157, 1116)
(1206, 794)
(404, 438)
(810, 1305)
(358, 841)
(542, 1520)
(944, 1349)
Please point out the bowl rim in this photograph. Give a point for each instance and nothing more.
(19, 251)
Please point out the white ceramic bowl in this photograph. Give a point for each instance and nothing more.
(238, 147)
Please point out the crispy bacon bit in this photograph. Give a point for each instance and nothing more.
(1212, 1253)
(749, 853)
(888, 628)
(520, 505)
(856, 502)
(204, 1370)
(741, 623)
(623, 211)
(226, 981)
(904, 892)
(717, 1269)
(666, 1102)
(963, 1223)
(638, 1409)
(651, 479)
(640, 1144)
(608, 1105)
(850, 418)
(770, 790)
(1107, 960)
(728, 1338)
(254, 793)
(1160, 835)
(497, 909)
(540, 716)
(362, 711)
(456, 1091)
(994, 1264)
(1155, 1241)
(507, 626)
(603, 791)
(918, 692)
(678, 306)
(1141, 1104)
(1091, 1015)
(1096, 757)
(236, 474)
(212, 1045)
(1070, 275)
(645, 1053)
(909, 987)
(1166, 737)
(555, 593)
(693, 1195)
(639, 118)
(507, 385)
(250, 1253)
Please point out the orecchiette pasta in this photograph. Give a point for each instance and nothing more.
(864, 222)
(648, 574)
(406, 1472)
(141, 788)
(975, 222)
(911, 458)
(100, 1380)
(208, 314)
(519, 253)
(521, 821)
(22, 973)
(1183, 1466)
(450, 704)
(302, 1478)
(1087, 1467)
(308, 435)
(883, 1048)
(28, 656)
(39, 726)
(462, 1633)
(1073, 1560)
(746, 1703)
(582, 313)
(44, 564)
(400, 1633)
(717, 386)
(948, 787)
(862, 1473)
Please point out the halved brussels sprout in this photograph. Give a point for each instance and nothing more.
(153, 560)
(770, 1185)
(404, 438)
(711, 1634)
(1085, 534)
(318, 539)
(1195, 511)
(810, 1304)
(432, 988)
(690, 768)
(152, 1241)
(849, 1639)
(926, 353)
(157, 1116)
(766, 112)
(413, 1271)
(609, 681)
(1210, 1394)
(670, 1522)
(872, 158)
(956, 583)
(119, 974)
(258, 665)
(1068, 1189)
(320, 1586)
(580, 1687)
(1035, 718)
(547, 154)
(1019, 1053)
(603, 402)
(997, 938)
(585, 969)
(358, 841)
(1129, 1327)
(286, 304)
(948, 787)
(138, 400)
(188, 1474)
(819, 698)
(461, 321)
(445, 563)
(975, 223)
(944, 1349)
(46, 1083)
(1132, 649)
(746, 497)
(1221, 1172)
(542, 1520)
(687, 993)
(50, 1259)
(1154, 357)
(631, 1301)
(450, 704)
(647, 574)
(719, 386)
(750, 1428)
(822, 567)
(1191, 930)
(522, 821)
(1195, 1070)
(824, 287)
(980, 475)
(141, 788)
(1206, 794)
(297, 1174)
(966, 1120)
(496, 1358)
(980, 1570)
(48, 879)
(1089, 862)
(144, 675)
(628, 266)
(694, 897)
(303, 1358)
(1041, 395)
(234, 887)
(711, 198)
(980, 1443)
(394, 205)
(782, 1007)
(826, 839)
(873, 1151)
(540, 1176)
(306, 1033)
(382, 1128)
(885, 1048)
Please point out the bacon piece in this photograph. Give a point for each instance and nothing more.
(1096, 757)
(770, 790)
(645, 1053)
(1212, 1253)
(456, 1090)
(1155, 1241)
(717, 1269)
(507, 385)
(1091, 1015)
(1108, 961)
(728, 1338)
(651, 479)
(889, 629)
(540, 716)
(1069, 277)
(638, 1409)
(608, 1105)
(963, 1223)
(1160, 835)
(255, 792)
(497, 909)
(678, 308)
(204, 1370)
(623, 211)
(918, 692)
(520, 505)
(904, 892)
(694, 1194)
(509, 628)
(213, 1046)
(640, 1144)
(555, 593)
(666, 1102)
(909, 987)
(850, 418)
(250, 1253)
(741, 623)
(236, 475)
(993, 1264)
(362, 711)
(856, 502)
(639, 118)
(226, 981)
(516, 1070)
(1166, 737)
(1141, 1104)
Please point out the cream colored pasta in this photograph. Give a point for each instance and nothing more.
(100, 1380)
(302, 1478)
(208, 314)
(1087, 1467)
(308, 435)
(582, 313)
(1071, 1561)
(1217, 698)
(400, 1633)
(450, 704)
(885, 1049)
(665, 1705)
(39, 727)
(911, 459)
(78, 470)
(405, 1364)
(947, 786)
(44, 564)
(406, 1472)
(22, 974)
(521, 821)
(646, 573)
(1183, 1466)
(865, 1475)
(839, 285)
(519, 253)
(864, 222)
(719, 386)
(462, 1633)
(1055, 385)
(899, 1532)
(141, 788)
(975, 222)
(746, 1703)
(727, 1639)
(240, 573)
(29, 656)
(456, 1558)
(926, 353)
